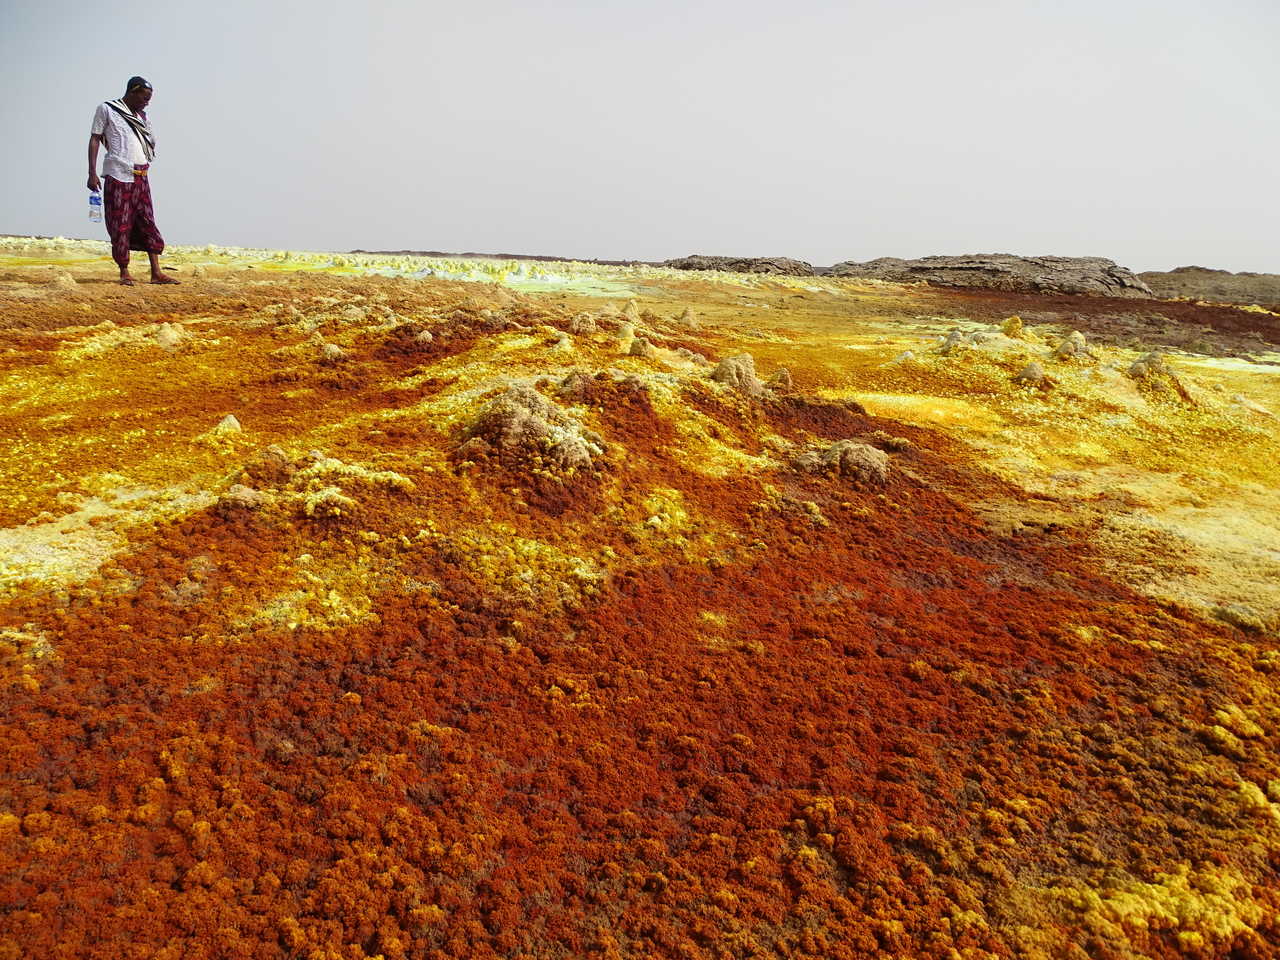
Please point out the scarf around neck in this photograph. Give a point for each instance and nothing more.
(139, 127)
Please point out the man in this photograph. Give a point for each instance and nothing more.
(122, 126)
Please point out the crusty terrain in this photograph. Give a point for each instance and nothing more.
(1218, 286)
(423, 615)
(1095, 276)
(774, 265)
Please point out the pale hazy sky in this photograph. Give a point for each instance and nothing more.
(1141, 130)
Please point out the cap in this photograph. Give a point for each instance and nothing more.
(135, 82)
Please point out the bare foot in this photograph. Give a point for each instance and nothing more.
(161, 278)
(126, 280)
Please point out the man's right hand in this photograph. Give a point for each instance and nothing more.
(94, 183)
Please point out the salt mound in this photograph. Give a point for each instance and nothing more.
(626, 333)
(739, 372)
(410, 336)
(859, 462)
(1073, 348)
(272, 467)
(640, 347)
(1148, 366)
(522, 423)
(955, 341)
(331, 353)
(1032, 375)
(781, 380)
(168, 336)
(887, 441)
(241, 499)
(1152, 372)
(603, 389)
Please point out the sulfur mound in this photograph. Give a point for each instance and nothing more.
(1032, 375)
(169, 337)
(781, 380)
(1073, 348)
(1148, 366)
(1242, 616)
(522, 424)
(606, 390)
(410, 337)
(271, 467)
(739, 373)
(241, 499)
(327, 501)
(887, 441)
(1151, 372)
(859, 462)
(322, 487)
(955, 341)
(582, 324)
(640, 347)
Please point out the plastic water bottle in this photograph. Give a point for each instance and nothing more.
(95, 206)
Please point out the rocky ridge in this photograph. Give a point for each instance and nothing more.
(1206, 283)
(777, 265)
(1096, 276)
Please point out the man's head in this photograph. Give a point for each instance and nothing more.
(137, 94)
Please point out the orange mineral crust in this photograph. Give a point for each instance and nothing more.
(349, 616)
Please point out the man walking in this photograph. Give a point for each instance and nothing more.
(122, 125)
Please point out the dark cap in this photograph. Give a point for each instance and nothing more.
(135, 82)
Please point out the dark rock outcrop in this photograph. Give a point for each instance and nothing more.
(1222, 286)
(1002, 271)
(784, 265)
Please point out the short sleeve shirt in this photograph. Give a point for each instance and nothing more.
(124, 150)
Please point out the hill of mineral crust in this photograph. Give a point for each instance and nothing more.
(387, 606)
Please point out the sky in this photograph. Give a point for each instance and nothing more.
(1146, 131)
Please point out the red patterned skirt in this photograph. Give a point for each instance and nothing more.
(131, 222)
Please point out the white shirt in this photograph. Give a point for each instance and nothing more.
(124, 150)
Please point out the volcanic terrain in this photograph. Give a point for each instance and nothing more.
(385, 606)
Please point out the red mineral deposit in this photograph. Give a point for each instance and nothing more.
(351, 616)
